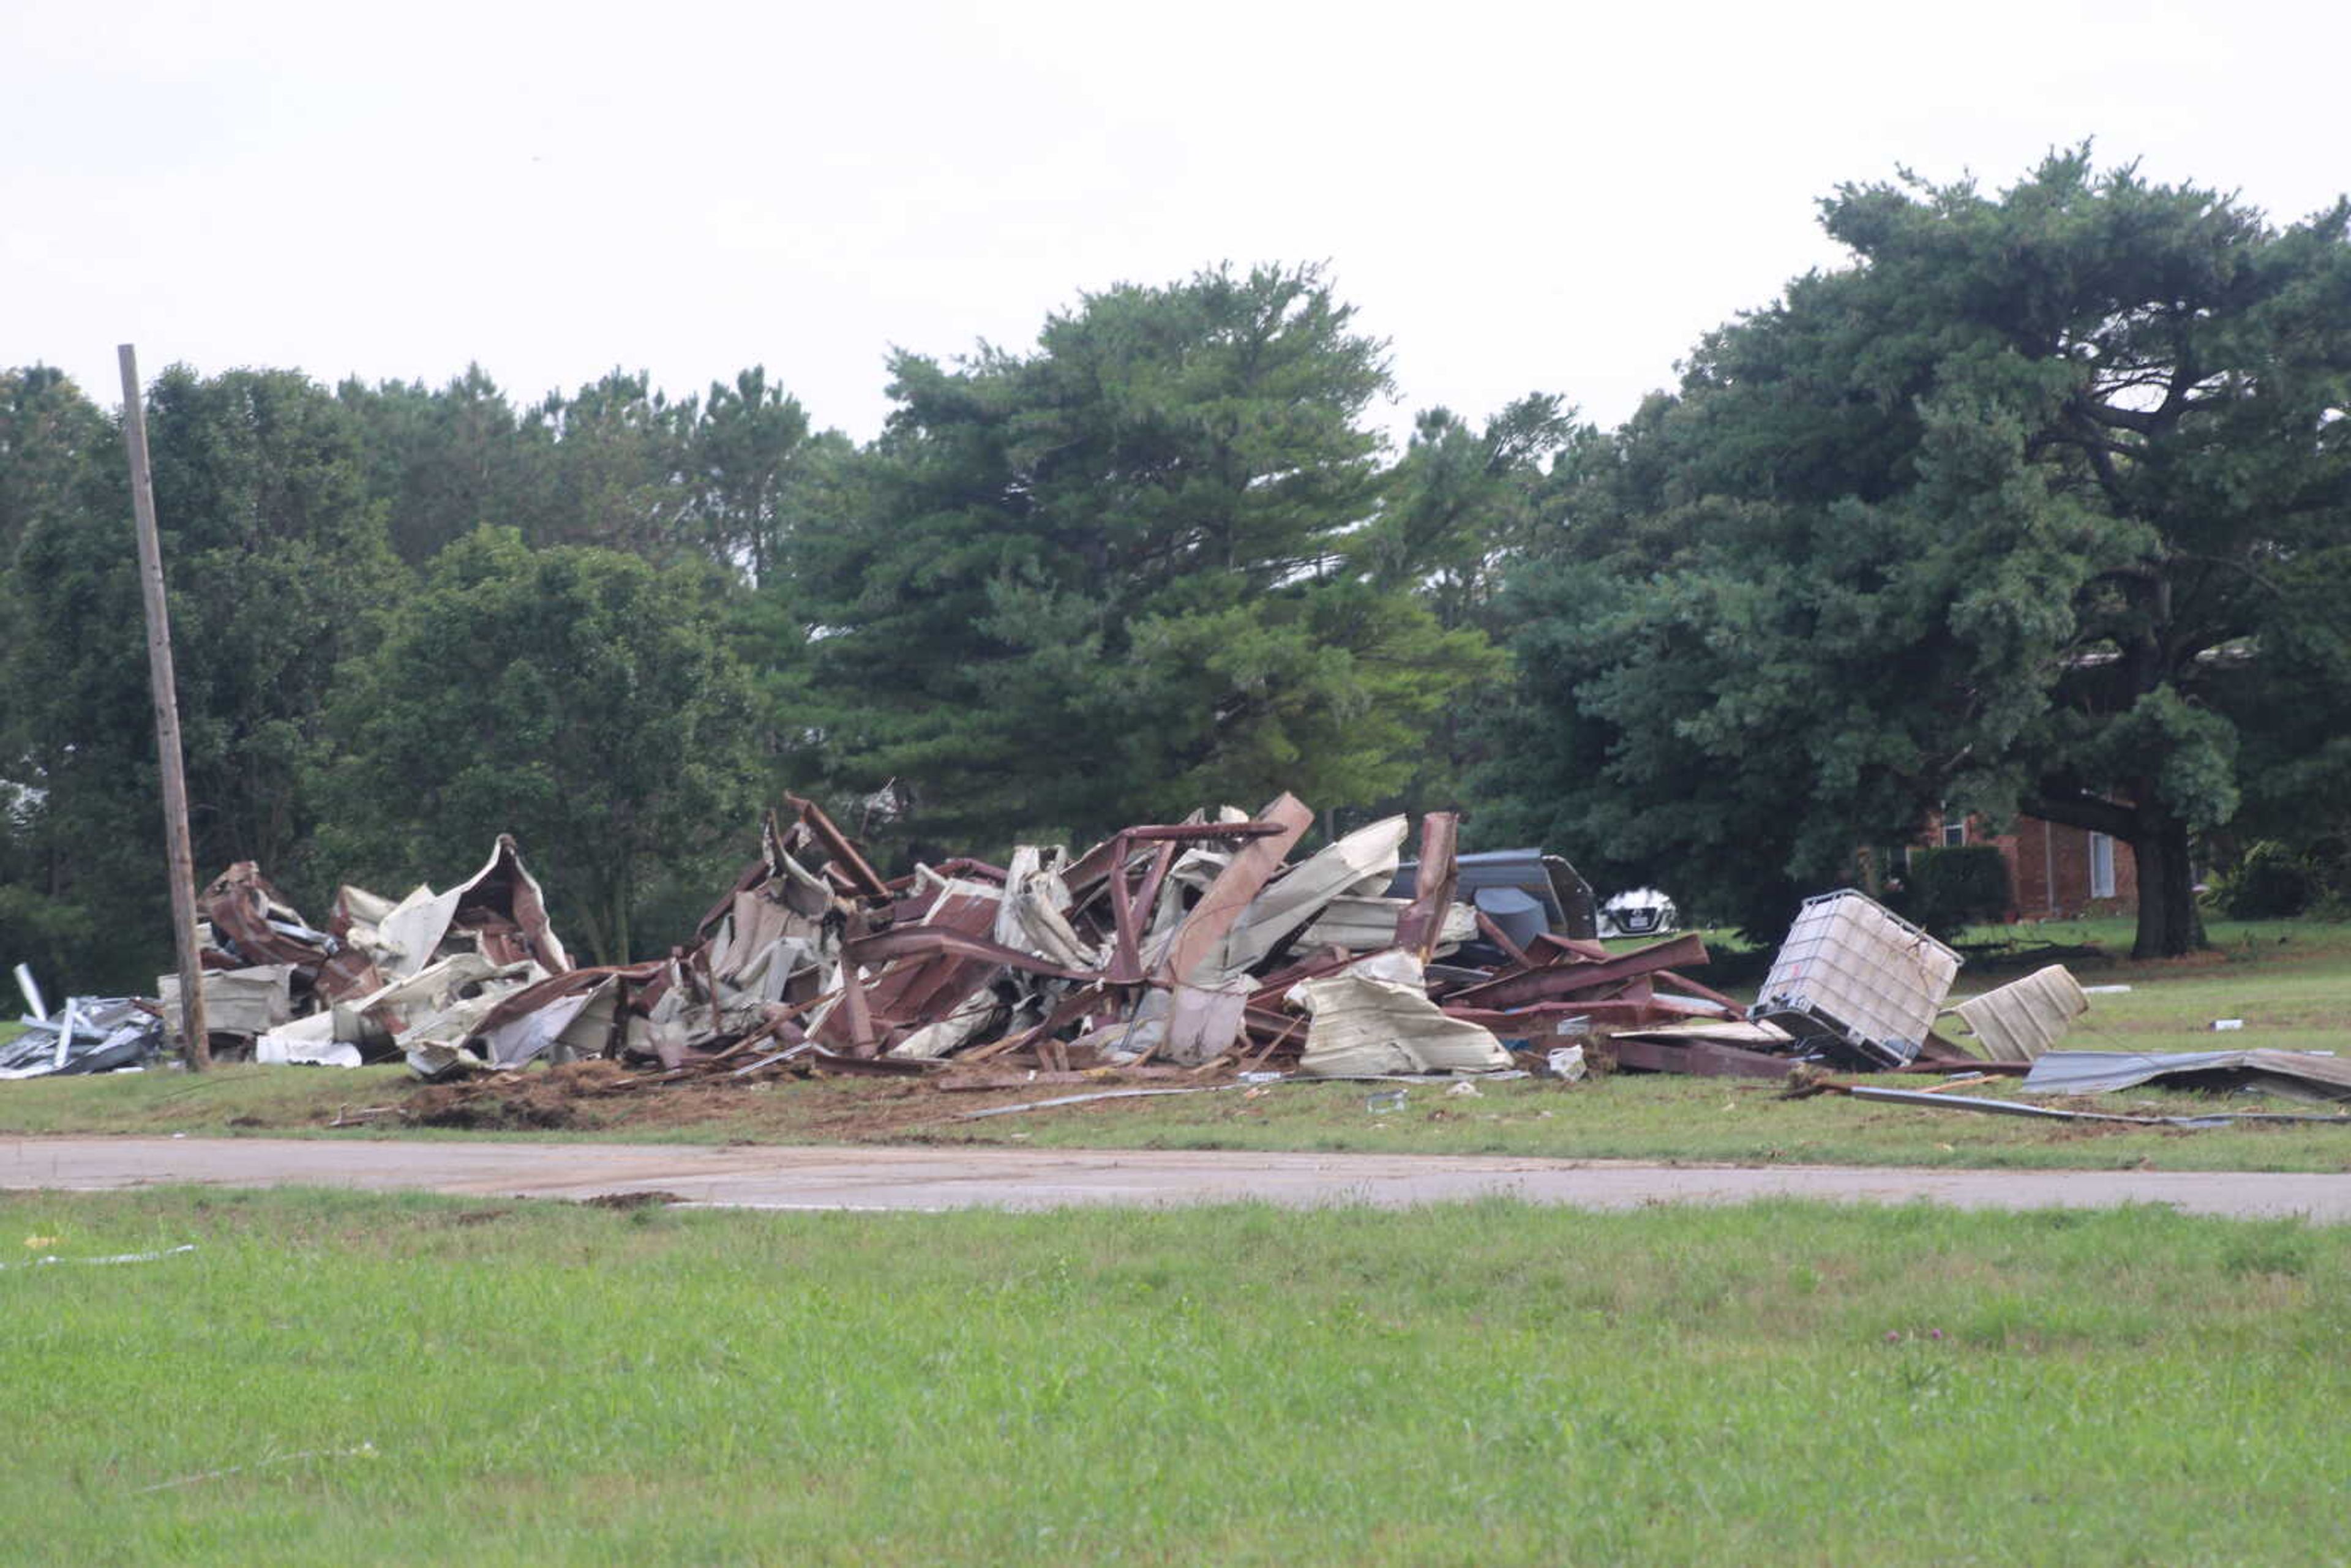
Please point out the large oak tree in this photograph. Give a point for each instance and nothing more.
(2041, 504)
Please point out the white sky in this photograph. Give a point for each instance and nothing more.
(1555, 197)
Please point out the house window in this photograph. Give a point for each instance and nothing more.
(1955, 829)
(2102, 865)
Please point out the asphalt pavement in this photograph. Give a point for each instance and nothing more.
(925, 1178)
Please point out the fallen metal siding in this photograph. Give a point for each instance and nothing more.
(2303, 1074)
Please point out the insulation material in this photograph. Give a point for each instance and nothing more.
(2024, 1018)
(429, 992)
(1368, 855)
(500, 908)
(568, 1027)
(950, 1034)
(250, 1001)
(1031, 913)
(1364, 1025)
(305, 1042)
(1196, 953)
(1366, 925)
(1204, 1020)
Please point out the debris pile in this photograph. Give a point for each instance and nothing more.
(383, 980)
(1187, 945)
(89, 1034)
(1169, 949)
(1853, 985)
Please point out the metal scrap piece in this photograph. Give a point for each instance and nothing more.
(2018, 1108)
(1861, 972)
(2020, 1019)
(2303, 1074)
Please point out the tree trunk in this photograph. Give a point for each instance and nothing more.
(2169, 924)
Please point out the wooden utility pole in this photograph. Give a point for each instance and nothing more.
(167, 718)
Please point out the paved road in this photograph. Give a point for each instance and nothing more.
(924, 1179)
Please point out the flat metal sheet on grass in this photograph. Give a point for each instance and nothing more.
(2303, 1074)
(2053, 1113)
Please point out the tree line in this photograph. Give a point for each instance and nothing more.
(2038, 504)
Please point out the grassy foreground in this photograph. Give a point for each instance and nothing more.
(432, 1380)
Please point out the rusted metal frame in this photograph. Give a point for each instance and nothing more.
(1064, 1012)
(1203, 833)
(1705, 993)
(1514, 1021)
(1146, 897)
(1083, 873)
(755, 875)
(1130, 909)
(1702, 1058)
(861, 877)
(1423, 920)
(924, 941)
(1271, 988)
(1203, 933)
(870, 1066)
(859, 1017)
(554, 988)
(961, 867)
(1259, 1059)
(1125, 960)
(1492, 931)
(913, 991)
(1550, 948)
(1563, 980)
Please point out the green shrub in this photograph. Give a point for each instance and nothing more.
(1947, 889)
(2271, 883)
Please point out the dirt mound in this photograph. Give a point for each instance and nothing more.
(649, 1198)
(521, 1102)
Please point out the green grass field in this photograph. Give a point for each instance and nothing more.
(2290, 982)
(409, 1380)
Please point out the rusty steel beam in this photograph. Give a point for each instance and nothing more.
(1519, 1022)
(1702, 1058)
(922, 941)
(1094, 864)
(1422, 919)
(1560, 982)
(1202, 936)
(861, 877)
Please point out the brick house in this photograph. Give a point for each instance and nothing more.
(2052, 870)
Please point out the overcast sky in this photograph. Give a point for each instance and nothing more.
(1557, 197)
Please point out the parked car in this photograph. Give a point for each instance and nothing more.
(1550, 894)
(1643, 911)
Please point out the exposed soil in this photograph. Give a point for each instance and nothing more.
(589, 1096)
(625, 1200)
